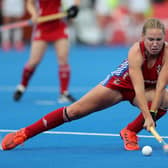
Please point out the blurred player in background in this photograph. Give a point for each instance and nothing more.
(138, 12)
(52, 31)
(12, 11)
(104, 10)
(140, 79)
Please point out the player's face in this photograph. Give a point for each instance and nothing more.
(154, 40)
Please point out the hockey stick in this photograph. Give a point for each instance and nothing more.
(29, 21)
(159, 139)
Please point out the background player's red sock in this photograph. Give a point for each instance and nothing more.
(137, 124)
(49, 121)
(27, 74)
(64, 77)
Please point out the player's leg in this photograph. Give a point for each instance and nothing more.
(62, 49)
(97, 99)
(137, 124)
(37, 51)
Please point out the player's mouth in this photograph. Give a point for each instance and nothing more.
(155, 50)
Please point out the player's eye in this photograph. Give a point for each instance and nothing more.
(158, 39)
(151, 39)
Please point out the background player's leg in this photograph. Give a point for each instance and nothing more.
(37, 51)
(62, 49)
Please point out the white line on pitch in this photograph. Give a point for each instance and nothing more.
(83, 133)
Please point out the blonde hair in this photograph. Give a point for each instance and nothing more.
(153, 23)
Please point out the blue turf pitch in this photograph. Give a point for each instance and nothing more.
(89, 65)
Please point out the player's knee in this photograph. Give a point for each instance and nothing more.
(72, 113)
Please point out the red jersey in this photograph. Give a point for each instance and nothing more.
(51, 30)
(120, 77)
(48, 7)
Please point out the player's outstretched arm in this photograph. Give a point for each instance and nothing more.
(135, 61)
(161, 83)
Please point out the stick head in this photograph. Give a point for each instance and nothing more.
(165, 148)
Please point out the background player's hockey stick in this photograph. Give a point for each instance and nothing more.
(29, 21)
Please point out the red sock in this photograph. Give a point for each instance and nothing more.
(64, 76)
(49, 121)
(27, 74)
(137, 124)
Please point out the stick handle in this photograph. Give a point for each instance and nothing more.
(157, 136)
(51, 17)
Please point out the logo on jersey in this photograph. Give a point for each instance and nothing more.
(125, 75)
(158, 69)
(116, 81)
